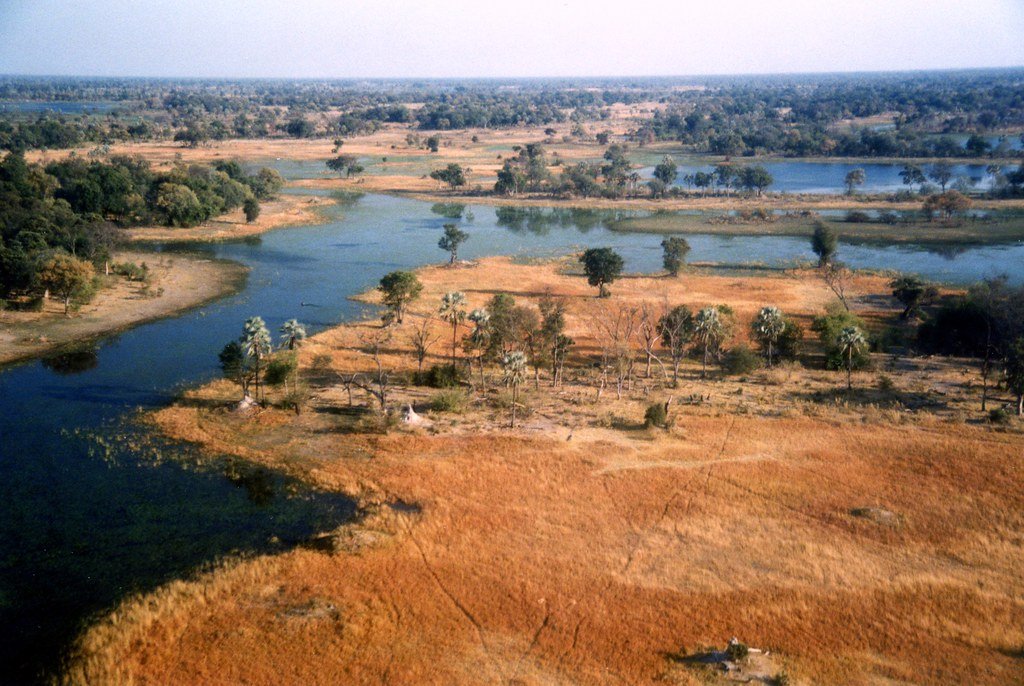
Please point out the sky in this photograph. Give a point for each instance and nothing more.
(485, 38)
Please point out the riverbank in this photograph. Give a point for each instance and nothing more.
(286, 210)
(176, 282)
(582, 547)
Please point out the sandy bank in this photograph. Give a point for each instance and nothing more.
(177, 282)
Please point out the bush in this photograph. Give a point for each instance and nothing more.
(439, 376)
(740, 360)
(1000, 415)
(737, 650)
(449, 400)
(132, 271)
(857, 217)
(828, 326)
(280, 367)
(656, 415)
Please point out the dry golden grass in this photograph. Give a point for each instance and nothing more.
(576, 550)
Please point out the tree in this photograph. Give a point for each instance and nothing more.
(941, 173)
(180, 205)
(912, 174)
(511, 179)
(768, 328)
(479, 340)
(552, 329)
(913, 293)
(674, 251)
(947, 204)
(709, 330)
(256, 346)
(824, 242)
(666, 171)
(398, 289)
(1014, 372)
(850, 343)
(234, 366)
(755, 179)
(422, 339)
(453, 175)
(66, 276)
(451, 240)
(602, 266)
(453, 311)
(292, 333)
(854, 178)
(837, 277)
(703, 180)
(513, 371)
(349, 164)
(251, 208)
(676, 331)
(977, 146)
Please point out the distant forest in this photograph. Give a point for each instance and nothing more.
(926, 114)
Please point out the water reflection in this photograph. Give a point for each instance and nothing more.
(72, 361)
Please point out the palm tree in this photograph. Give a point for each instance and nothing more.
(292, 333)
(768, 327)
(850, 342)
(257, 346)
(708, 329)
(480, 338)
(513, 367)
(453, 311)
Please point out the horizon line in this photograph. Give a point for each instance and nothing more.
(718, 75)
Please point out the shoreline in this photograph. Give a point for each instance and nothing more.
(288, 210)
(659, 537)
(183, 282)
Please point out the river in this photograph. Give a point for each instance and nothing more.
(83, 525)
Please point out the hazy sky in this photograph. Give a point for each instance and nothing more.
(366, 38)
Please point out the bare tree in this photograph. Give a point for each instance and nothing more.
(616, 327)
(423, 339)
(378, 384)
(837, 277)
(650, 335)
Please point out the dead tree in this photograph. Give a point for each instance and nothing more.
(837, 277)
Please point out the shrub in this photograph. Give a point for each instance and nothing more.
(449, 400)
(857, 217)
(828, 326)
(886, 384)
(1000, 415)
(737, 650)
(656, 415)
(280, 367)
(740, 360)
(439, 376)
(132, 271)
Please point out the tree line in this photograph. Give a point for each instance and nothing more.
(76, 206)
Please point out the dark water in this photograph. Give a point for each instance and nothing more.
(79, 530)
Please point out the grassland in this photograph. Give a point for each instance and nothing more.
(865, 537)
